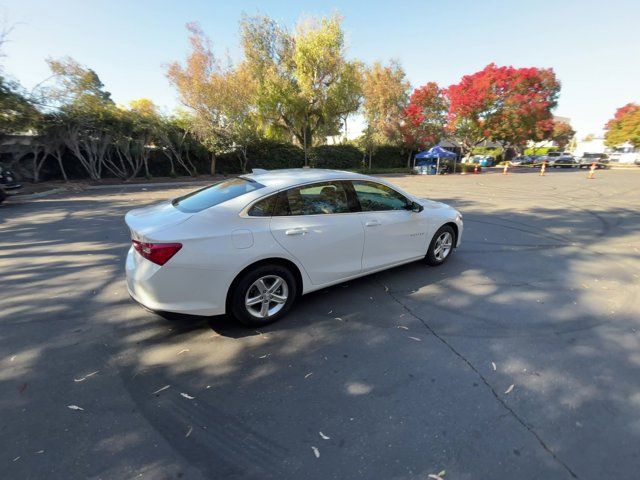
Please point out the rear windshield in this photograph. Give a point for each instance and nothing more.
(215, 194)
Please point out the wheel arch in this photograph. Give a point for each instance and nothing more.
(454, 226)
(297, 274)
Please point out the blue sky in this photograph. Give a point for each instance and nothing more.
(594, 47)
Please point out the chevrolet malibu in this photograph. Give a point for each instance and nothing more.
(251, 245)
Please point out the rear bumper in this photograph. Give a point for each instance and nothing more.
(191, 291)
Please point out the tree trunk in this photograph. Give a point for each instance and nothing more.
(409, 158)
(58, 154)
(213, 163)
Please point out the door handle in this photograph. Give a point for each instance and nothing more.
(296, 231)
(372, 223)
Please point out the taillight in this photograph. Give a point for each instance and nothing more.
(158, 253)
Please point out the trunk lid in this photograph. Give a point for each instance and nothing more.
(145, 223)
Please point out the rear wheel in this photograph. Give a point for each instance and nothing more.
(441, 246)
(263, 295)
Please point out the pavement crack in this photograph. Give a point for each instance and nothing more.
(484, 380)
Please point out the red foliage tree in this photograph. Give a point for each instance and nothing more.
(424, 118)
(624, 126)
(505, 104)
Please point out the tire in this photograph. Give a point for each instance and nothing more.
(3, 195)
(435, 257)
(249, 288)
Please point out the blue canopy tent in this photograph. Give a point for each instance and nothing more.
(436, 153)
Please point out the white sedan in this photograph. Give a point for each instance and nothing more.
(251, 245)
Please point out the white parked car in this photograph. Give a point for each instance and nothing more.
(250, 245)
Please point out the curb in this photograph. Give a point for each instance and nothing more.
(34, 196)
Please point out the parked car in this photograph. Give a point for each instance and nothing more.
(8, 179)
(483, 160)
(522, 160)
(250, 245)
(600, 159)
(564, 161)
(8, 183)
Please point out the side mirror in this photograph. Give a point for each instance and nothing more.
(416, 207)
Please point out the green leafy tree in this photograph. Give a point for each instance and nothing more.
(305, 86)
(386, 93)
(222, 99)
(85, 112)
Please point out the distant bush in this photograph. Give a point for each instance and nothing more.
(341, 157)
(496, 153)
(267, 154)
(468, 167)
(540, 150)
(389, 156)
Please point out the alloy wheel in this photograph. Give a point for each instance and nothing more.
(266, 296)
(443, 245)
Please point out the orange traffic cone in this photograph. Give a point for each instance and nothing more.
(543, 168)
(506, 168)
(592, 170)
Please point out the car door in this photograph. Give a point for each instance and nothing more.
(317, 225)
(393, 233)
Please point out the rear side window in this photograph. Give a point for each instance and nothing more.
(263, 208)
(215, 194)
(316, 199)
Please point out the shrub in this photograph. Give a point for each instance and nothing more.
(467, 167)
(388, 156)
(339, 157)
(539, 150)
(267, 154)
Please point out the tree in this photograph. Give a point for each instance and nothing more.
(385, 92)
(562, 134)
(424, 118)
(304, 84)
(85, 112)
(506, 104)
(624, 126)
(221, 99)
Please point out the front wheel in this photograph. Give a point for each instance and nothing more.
(263, 295)
(441, 246)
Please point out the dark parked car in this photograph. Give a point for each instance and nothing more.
(8, 179)
(7, 183)
(565, 161)
(600, 159)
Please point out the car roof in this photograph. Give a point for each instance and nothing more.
(296, 176)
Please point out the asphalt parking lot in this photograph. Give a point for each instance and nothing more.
(518, 359)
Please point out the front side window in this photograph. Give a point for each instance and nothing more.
(215, 194)
(315, 199)
(375, 197)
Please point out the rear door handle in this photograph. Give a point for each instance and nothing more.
(373, 223)
(296, 231)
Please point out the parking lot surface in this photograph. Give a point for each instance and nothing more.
(518, 359)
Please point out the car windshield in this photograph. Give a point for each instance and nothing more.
(215, 194)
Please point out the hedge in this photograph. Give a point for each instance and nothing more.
(539, 150)
(340, 157)
(267, 154)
